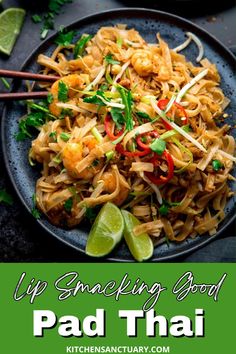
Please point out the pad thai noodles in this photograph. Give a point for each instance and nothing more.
(135, 124)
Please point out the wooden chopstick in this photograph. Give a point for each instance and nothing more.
(27, 75)
(22, 95)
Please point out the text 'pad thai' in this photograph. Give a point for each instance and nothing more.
(134, 124)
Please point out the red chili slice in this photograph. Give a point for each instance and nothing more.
(142, 145)
(108, 128)
(156, 161)
(122, 151)
(162, 105)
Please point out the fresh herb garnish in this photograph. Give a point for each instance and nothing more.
(68, 205)
(118, 117)
(143, 115)
(50, 98)
(217, 165)
(65, 136)
(64, 38)
(33, 119)
(109, 59)
(36, 18)
(164, 208)
(66, 112)
(95, 99)
(56, 5)
(34, 211)
(53, 135)
(53, 9)
(187, 128)
(158, 146)
(63, 90)
(127, 100)
(5, 197)
(104, 87)
(48, 24)
(80, 45)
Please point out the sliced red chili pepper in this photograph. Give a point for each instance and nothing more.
(144, 146)
(156, 161)
(162, 105)
(122, 151)
(181, 108)
(108, 128)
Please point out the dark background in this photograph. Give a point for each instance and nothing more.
(21, 239)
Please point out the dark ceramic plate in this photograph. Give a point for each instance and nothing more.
(148, 23)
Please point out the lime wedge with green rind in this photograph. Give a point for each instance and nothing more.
(141, 246)
(106, 232)
(11, 21)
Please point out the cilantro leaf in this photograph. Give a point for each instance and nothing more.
(36, 118)
(158, 146)
(163, 210)
(143, 115)
(118, 117)
(217, 165)
(109, 59)
(68, 205)
(5, 197)
(53, 135)
(95, 99)
(56, 5)
(64, 38)
(80, 45)
(34, 211)
(50, 98)
(63, 90)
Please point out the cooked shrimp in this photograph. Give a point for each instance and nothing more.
(72, 81)
(75, 152)
(142, 61)
(110, 185)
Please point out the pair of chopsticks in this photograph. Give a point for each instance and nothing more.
(26, 76)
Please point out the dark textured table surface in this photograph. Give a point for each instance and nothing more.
(20, 237)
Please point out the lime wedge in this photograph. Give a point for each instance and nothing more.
(11, 21)
(106, 231)
(141, 246)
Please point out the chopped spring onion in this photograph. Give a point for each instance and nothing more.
(183, 45)
(158, 146)
(191, 83)
(216, 164)
(5, 83)
(199, 45)
(118, 76)
(187, 151)
(176, 127)
(109, 155)
(96, 80)
(97, 135)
